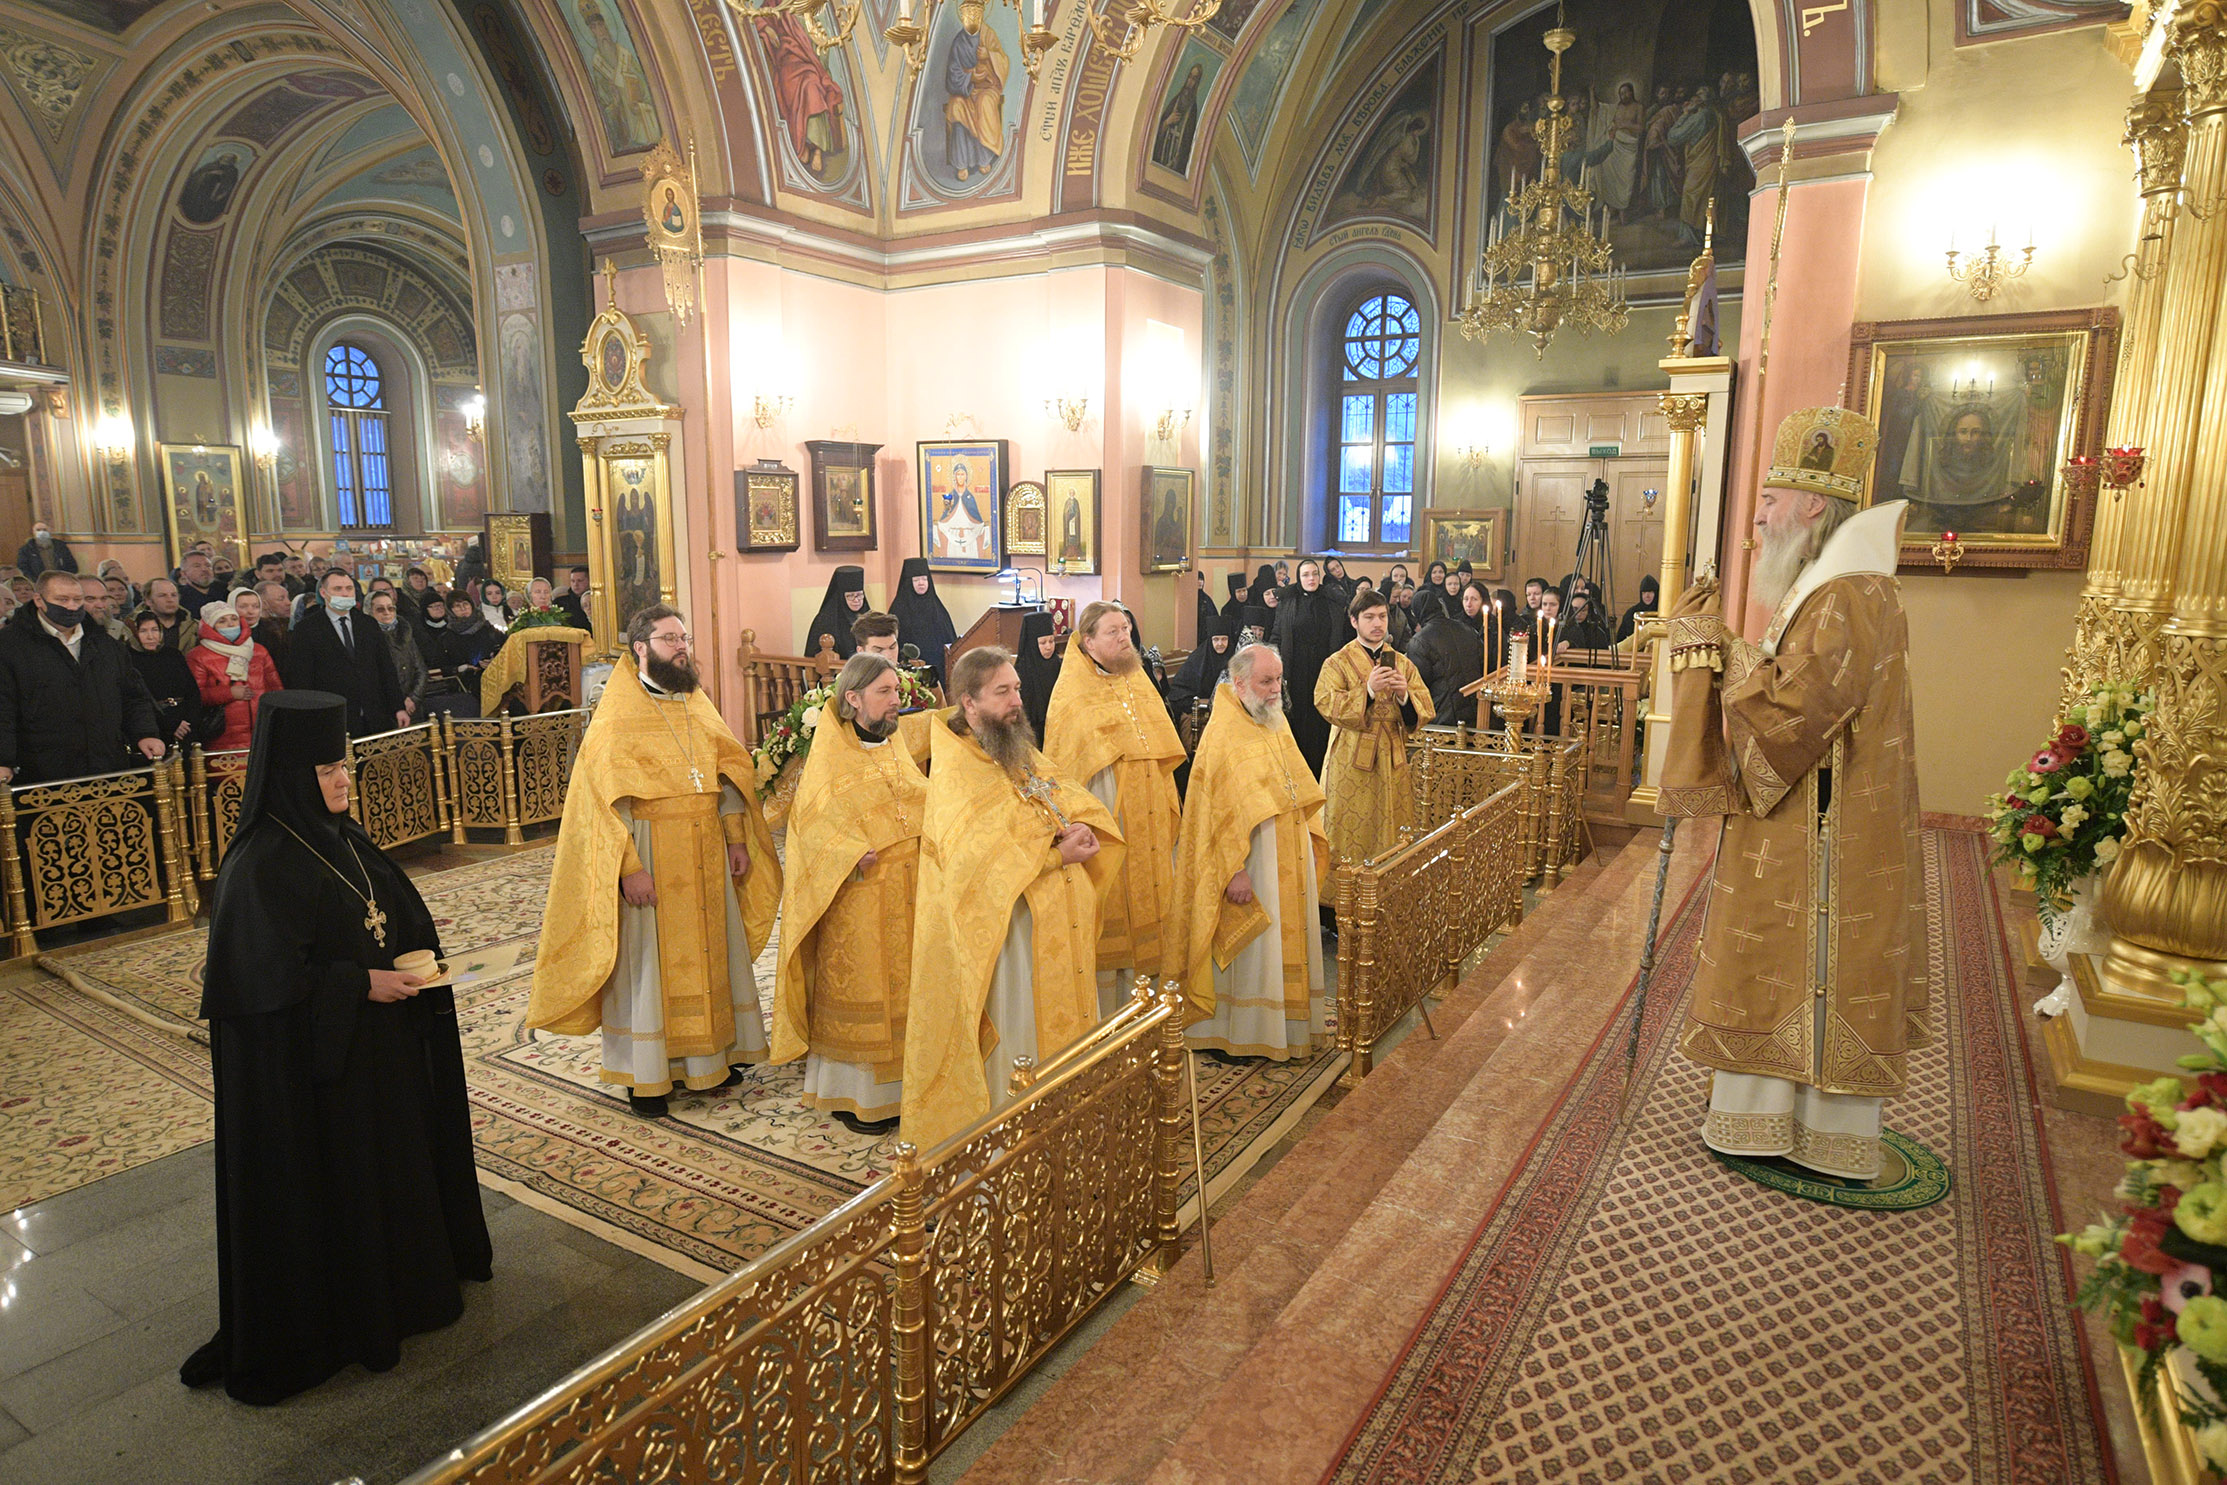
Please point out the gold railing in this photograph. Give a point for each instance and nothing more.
(860, 1348)
(510, 772)
(1409, 919)
(1451, 768)
(78, 849)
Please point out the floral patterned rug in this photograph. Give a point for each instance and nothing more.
(726, 1176)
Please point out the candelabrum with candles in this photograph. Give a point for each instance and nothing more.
(910, 36)
(1521, 689)
(1546, 261)
(1988, 270)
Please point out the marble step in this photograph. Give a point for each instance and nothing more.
(1142, 1386)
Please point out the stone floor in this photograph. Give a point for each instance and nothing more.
(107, 1288)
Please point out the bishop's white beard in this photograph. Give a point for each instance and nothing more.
(1780, 558)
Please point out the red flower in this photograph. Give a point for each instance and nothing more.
(2071, 738)
(2214, 1083)
(2140, 1248)
(2156, 1326)
(2042, 826)
(2168, 1197)
(2146, 1139)
(2048, 760)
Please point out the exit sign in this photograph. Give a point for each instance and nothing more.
(1604, 451)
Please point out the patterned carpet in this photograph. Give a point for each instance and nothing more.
(728, 1175)
(1630, 1309)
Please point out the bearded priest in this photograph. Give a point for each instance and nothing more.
(1368, 692)
(1248, 876)
(1015, 864)
(847, 902)
(1108, 729)
(1811, 984)
(665, 884)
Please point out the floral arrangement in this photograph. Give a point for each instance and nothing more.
(790, 739)
(2062, 812)
(2161, 1268)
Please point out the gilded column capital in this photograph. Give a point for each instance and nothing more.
(1687, 411)
(2157, 132)
(2197, 43)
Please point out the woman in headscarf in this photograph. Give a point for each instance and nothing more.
(1202, 672)
(1311, 626)
(922, 620)
(180, 716)
(471, 643)
(1430, 595)
(1209, 614)
(840, 607)
(1334, 576)
(494, 607)
(347, 1204)
(1450, 653)
(1037, 660)
(233, 672)
(1283, 573)
(1239, 595)
(1650, 603)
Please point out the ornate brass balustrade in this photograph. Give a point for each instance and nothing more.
(1453, 767)
(78, 849)
(859, 1349)
(1409, 919)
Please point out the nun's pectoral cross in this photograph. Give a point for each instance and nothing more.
(375, 919)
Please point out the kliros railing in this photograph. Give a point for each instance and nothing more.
(77, 849)
(1409, 919)
(1451, 768)
(859, 1349)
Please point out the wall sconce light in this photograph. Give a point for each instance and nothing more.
(767, 406)
(1473, 455)
(263, 443)
(112, 436)
(1069, 410)
(1172, 420)
(474, 409)
(1989, 270)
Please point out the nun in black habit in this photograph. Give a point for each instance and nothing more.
(922, 620)
(1039, 670)
(1311, 626)
(840, 607)
(1202, 671)
(1238, 597)
(347, 1205)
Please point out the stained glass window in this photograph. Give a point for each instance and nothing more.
(363, 477)
(1374, 452)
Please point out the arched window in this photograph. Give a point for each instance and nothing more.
(363, 476)
(1373, 433)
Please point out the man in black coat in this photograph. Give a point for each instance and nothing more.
(70, 704)
(44, 552)
(336, 649)
(574, 599)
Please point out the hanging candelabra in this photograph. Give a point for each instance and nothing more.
(910, 36)
(1546, 261)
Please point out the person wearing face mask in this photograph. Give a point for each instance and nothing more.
(70, 704)
(334, 648)
(409, 664)
(44, 552)
(180, 717)
(233, 672)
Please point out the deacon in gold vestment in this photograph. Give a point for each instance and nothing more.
(1811, 983)
(1366, 692)
(665, 883)
(1244, 938)
(1014, 864)
(847, 904)
(1108, 729)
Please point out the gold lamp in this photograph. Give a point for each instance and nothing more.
(474, 409)
(1986, 272)
(1546, 261)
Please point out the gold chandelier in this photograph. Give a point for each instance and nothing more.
(1546, 260)
(910, 36)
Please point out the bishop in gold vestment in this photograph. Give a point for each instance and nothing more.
(847, 905)
(1367, 692)
(1108, 729)
(665, 883)
(1244, 938)
(1811, 984)
(1014, 865)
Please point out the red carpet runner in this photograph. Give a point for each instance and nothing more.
(1632, 1310)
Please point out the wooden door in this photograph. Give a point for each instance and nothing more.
(1635, 532)
(1550, 506)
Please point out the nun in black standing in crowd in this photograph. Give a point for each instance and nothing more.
(1239, 596)
(1650, 603)
(840, 607)
(922, 620)
(1195, 681)
(1257, 625)
(1311, 626)
(347, 1204)
(1037, 658)
(1209, 614)
(1430, 595)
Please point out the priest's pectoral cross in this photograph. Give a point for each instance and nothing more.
(696, 779)
(1042, 791)
(375, 919)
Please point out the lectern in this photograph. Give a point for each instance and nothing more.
(1000, 626)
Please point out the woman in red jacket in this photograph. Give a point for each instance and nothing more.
(233, 673)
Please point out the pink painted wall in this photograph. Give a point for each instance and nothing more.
(1815, 310)
(895, 367)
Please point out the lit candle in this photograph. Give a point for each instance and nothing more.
(1516, 660)
(1546, 649)
(904, 10)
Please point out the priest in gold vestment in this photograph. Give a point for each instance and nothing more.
(1367, 693)
(1108, 729)
(1243, 938)
(1811, 984)
(665, 884)
(847, 902)
(1014, 864)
